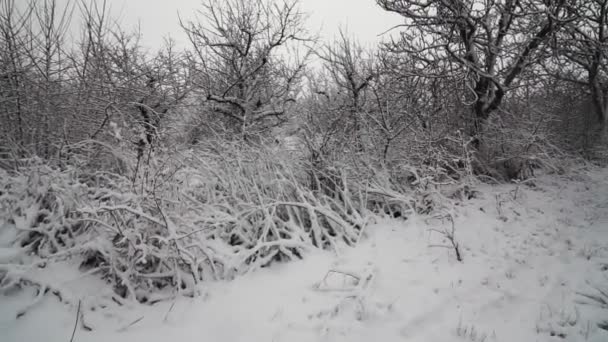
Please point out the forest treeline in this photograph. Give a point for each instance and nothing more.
(498, 76)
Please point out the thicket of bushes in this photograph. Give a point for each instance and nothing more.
(159, 171)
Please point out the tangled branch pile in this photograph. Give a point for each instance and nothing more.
(209, 216)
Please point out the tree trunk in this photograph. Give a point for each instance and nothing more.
(600, 103)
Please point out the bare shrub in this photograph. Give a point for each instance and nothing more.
(210, 215)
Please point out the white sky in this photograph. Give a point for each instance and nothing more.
(364, 19)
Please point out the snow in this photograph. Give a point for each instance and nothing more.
(530, 253)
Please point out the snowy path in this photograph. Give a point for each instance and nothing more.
(527, 252)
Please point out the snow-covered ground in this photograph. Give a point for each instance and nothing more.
(532, 258)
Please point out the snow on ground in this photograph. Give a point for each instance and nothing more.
(530, 254)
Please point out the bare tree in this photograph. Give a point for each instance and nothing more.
(13, 67)
(47, 54)
(121, 84)
(34, 62)
(351, 69)
(581, 52)
(240, 52)
(489, 44)
(394, 106)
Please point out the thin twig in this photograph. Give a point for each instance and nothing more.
(76, 323)
(131, 324)
(168, 312)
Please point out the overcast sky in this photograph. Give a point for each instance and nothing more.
(363, 18)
